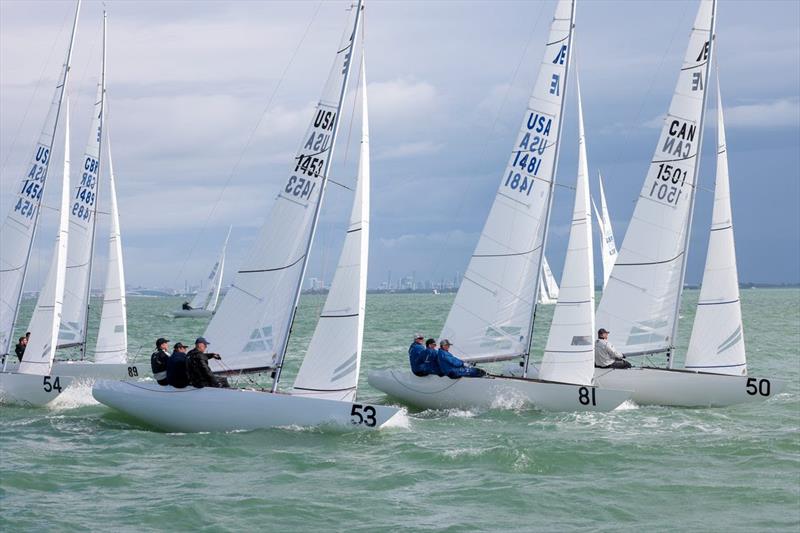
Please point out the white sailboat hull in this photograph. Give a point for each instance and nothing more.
(211, 409)
(433, 392)
(30, 389)
(90, 371)
(192, 313)
(687, 388)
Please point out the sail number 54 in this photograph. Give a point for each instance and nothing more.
(49, 386)
(363, 414)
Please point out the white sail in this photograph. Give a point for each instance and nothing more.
(492, 312)
(82, 226)
(717, 341)
(548, 287)
(112, 335)
(255, 317)
(19, 227)
(640, 302)
(331, 366)
(46, 317)
(608, 248)
(569, 353)
(206, 297)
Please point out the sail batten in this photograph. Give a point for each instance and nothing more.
(491, 316)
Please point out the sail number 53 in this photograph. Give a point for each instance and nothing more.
(363, 414)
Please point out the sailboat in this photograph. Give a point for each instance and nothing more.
(608, 248)
(32, 382)
(205, 301)
(641, 302)
(257, 314)
(111, 350)
(548, 287)
(492, 316)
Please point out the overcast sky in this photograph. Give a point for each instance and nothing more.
(195, 150)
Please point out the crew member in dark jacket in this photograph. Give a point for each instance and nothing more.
(453, 367)
(19, 349)
(158, 361)
(177, 371)
(200, 375)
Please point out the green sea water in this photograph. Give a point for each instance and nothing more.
(78, 466)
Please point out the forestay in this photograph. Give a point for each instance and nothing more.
(717, 341)
(331, 366)
(608, 248)
(41, 349)
(255, 317)
(112, 335)
(569, 353)
(82, 225)
(640, 303)
(492, 312)
(19, 227)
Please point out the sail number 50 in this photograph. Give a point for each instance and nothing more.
(363, 414)
(757, 386)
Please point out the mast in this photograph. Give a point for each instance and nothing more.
(676, 312)
(64, 79)
(536, 289)
(88, 295)
(315, 220)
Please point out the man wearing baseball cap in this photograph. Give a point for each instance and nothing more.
(200, 375)
(177, 367)
(453, 367)
(605, 355)
(158, 361)
(416, 354)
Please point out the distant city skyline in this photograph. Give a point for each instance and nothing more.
(187, 88)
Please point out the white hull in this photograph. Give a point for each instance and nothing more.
(30, 389)
(192, 313)
(212, 409)
(433, 392)
(90, 371)
(686, 388)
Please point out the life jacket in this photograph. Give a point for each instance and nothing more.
(158, 364)
(177, 370)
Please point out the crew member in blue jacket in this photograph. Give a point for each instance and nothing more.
(453, 367)
(416, 354)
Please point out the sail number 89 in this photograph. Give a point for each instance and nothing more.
(363, 414)
(758, 386)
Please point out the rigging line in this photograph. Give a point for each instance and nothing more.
(45, 68)
(201, 234)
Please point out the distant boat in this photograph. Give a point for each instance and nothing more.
(205, 301)
(608, 248)
(548, 287)
(435, 291)
(255, 318)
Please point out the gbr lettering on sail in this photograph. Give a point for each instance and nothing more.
(312, 157)
(675, 157)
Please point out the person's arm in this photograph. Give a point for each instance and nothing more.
(613, 352)
(212, 379)
(451, 359)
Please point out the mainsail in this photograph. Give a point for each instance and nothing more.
(206, 297)
(82, 225)
(492, 313)
(256, 315)
(331, 366)
(641, 301)
(569, 353)
(19, 227)
(717, 341)
(46, 316)
(608, 248)
(112, 335)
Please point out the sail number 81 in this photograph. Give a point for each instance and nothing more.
(586, 396)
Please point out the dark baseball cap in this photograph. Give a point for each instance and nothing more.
(180, 345)
(160, 341)
(602, 330)
(198, 340)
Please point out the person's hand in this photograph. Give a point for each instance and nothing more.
(215, 355)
